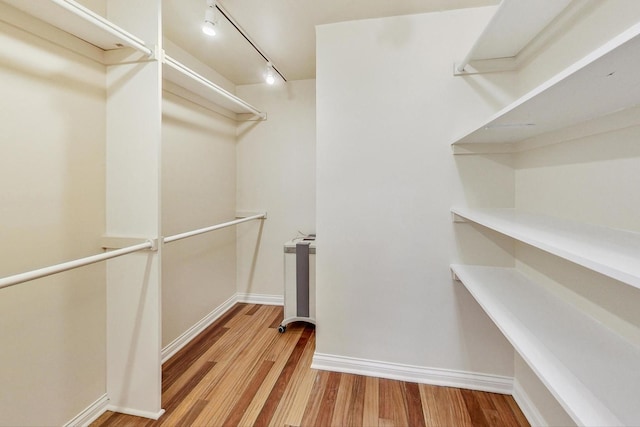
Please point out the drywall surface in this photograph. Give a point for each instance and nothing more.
(276, 173)
(198, 190)
(388, 107)
(52, 203)
(592, 179)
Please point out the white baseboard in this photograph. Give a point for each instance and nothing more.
(416, 374)
(90, 414)
(264, 299)
(174, 346)
(527, 406)
(135, 412)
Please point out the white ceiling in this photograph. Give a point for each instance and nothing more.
(283, 29)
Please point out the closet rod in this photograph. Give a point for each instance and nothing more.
(197, 77)
(70, 265)
(98, 21)
(212, 228)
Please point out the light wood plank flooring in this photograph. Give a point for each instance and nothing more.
(242, 372)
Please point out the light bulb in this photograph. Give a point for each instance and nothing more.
(270, 79)
(269, 76)
(209, 25)
(209, 28)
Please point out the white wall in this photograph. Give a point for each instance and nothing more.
(276, 173)
(388, 108)
(52, 203)
(198, 190)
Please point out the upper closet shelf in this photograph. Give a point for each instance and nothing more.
(514, 25)
(83, 23)
(603, 82)
(614, 253)
(592, 371)
(188, 79)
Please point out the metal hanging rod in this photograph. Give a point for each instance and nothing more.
(212, 228)
(70, 265)
(149, 244)
(247, 38)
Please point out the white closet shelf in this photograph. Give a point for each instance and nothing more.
(601, 83)
(81, 22)
(522, 21)
(593, 372)
(612, 252)
(181, 75)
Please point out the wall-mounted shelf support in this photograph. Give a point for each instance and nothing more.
(457, 218)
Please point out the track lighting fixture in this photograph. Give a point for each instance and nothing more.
(210, 28)
(209, 25)
(270, 75)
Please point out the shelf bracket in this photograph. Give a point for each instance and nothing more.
(245, 214)
(457, 218)
(250, 117)
(119, 242)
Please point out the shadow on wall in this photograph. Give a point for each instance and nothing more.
(476, 328)
(254, 259)
(396, 32)
(592, 291)
(491, 89)
(134, 343)
(487, 180)
(478, 245)
(606, 146)
(245, 127)
(182, 115)
(27, 66)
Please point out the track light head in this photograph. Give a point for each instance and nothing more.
(270, 75)
(209, 25)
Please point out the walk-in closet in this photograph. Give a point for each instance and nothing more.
(455, 182)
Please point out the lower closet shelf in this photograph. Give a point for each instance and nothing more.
(593, 372)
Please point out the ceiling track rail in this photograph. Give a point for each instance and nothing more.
(237, 26)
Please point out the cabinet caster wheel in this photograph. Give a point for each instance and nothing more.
(282, 328)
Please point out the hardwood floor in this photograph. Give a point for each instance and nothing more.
(242, 372)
